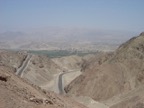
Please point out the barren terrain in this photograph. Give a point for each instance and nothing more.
(16, 92)
(104, 80)
(120, 73)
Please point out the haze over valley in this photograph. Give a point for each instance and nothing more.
(71, 54)
(64, 39)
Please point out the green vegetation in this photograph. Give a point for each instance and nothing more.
(59, 53)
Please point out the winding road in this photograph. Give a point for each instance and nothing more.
(24, 65)
(60, 81)
(60, 84)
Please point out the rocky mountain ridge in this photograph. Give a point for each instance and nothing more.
(120, 73)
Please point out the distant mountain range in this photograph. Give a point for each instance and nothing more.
(63, 38)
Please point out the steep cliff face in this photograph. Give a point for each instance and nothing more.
(122, 72)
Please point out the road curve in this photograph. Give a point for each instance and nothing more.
(24, 65)
(60, 82)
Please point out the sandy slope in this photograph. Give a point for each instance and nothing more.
(17, 93)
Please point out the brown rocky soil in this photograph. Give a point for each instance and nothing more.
(114, 79)
(18, 93)
(41, 70)
(12, 58)
(120, 73)
(69, 62)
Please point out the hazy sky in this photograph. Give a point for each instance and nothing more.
(103, 14)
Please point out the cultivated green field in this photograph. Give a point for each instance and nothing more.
(59, 53)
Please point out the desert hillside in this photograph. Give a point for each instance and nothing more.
(12, 58)
(104, 80)
(69, 62)
(41, 70)
(16, 92)
(120, 73)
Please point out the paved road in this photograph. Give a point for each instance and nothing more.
(60, 81)
(24, 65)
(60, 84)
